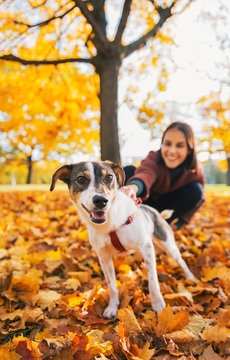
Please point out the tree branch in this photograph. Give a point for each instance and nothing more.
(43, 23)
(123, 21)
(44, 62)
(164, 13)
(104, 44)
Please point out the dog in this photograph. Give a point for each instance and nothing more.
(117, 224)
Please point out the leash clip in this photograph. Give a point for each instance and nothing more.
(129, 220)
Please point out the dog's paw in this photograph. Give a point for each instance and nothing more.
(158, 307)
(110, 312)
(189, 275)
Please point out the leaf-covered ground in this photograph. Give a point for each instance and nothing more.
(53, 292)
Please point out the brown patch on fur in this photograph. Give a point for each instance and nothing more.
(74, 195)
(118, 170)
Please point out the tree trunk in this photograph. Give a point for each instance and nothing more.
(30, 164)
(107, 67)
(228, 172)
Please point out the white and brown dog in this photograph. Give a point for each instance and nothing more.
(115, 223)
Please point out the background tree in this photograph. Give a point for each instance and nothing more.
(46, 113)
(217, 131)
(215, 106)
(79, 32)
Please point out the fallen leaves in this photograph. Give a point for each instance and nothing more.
(168, 322)
(53, 292)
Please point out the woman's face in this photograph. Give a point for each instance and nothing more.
(174, 149)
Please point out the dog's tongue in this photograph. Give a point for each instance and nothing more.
(98, 214)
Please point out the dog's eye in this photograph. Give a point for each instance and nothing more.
(82, 180)
(108, 178)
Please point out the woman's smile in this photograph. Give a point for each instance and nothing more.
(174, 148)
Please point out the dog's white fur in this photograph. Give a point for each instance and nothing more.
(138, 236)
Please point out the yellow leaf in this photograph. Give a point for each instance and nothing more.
(8, 353)
(83, 235)
(96, 344)
(96, 268)
(146, 353)
(55, 255)
(129, 319)
(29, 282)
(124, 268)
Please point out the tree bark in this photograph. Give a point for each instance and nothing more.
(107, 67)
(30, 167)
(228, 172)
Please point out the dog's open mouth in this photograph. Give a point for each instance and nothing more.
(97, 216)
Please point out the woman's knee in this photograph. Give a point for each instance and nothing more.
(196, 192)
(197, 189)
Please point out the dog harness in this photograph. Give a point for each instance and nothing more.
(113, 235)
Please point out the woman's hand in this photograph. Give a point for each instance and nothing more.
(130, 190)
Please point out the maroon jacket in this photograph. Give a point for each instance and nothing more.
(156, 178)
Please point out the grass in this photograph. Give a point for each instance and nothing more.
(217, 187)
(32, 187)
(46, 187)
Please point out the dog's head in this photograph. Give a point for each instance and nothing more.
(92, 186)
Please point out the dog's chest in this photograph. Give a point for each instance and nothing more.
(132, 235)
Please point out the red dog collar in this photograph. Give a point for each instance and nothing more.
(113, 235)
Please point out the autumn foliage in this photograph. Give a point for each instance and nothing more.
(53, 292)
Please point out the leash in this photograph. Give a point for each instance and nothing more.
(113, 235)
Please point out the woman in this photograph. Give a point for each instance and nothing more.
(170, 178)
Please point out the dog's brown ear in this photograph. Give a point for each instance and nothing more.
(61, 174)
(119, 172)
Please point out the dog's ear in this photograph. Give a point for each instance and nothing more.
(61, 174)
(119, 172)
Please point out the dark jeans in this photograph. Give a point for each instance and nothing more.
(183, 200)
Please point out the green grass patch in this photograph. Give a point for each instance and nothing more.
(31, 187)
(217, 187)
(46, 187)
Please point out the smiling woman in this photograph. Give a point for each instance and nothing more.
(170, 178)
(174, 149)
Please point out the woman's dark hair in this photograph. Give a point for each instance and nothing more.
(190, 161)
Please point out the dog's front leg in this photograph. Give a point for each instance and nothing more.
(107, 266)
(157, 300)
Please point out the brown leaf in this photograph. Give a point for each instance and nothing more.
(22, 350)
(209, 354)
(5, 281)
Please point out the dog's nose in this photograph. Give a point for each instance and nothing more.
(99, 201)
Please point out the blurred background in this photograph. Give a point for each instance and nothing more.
(102, 79)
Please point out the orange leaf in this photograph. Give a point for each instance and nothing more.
(80, 342)
(181, 336)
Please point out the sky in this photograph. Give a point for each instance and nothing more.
(196, 57)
